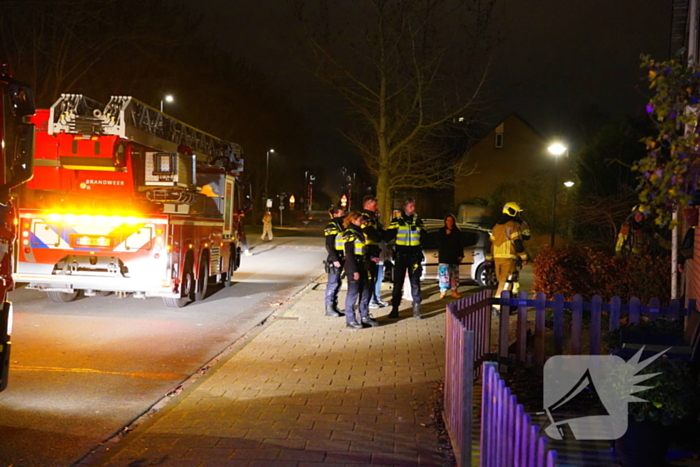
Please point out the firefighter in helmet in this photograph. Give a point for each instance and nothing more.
(507, 250)
(525, 235)
(635, 235)
(333, 234)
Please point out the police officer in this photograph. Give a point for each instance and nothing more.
(407, 229)
(334, 262)
(373, 236)
(356, 273)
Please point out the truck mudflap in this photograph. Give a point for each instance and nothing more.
(5, 344)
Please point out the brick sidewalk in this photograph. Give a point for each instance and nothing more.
(305, 391)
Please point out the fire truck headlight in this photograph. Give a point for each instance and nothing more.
(25, 242)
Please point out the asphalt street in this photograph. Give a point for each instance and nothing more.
(82, 371)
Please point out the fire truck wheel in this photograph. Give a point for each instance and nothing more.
(203, 280)
(228, 280)
(186, 288)
(62, 297)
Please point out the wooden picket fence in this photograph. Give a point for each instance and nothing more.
(634, 311)
(468, 345)
(467, 342)
(508, 437)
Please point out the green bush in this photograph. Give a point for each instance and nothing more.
(572, 270)
(673, 397)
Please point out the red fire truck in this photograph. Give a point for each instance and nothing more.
(128, 200)
(16, 141)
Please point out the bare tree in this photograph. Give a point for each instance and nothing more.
(406, 68)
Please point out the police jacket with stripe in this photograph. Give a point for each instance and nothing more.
(408, 233)
(334, 239)
(354, 241)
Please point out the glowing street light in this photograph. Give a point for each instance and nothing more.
(343, 201)
(568, 184)
(168, 98)
(292, 200)
(267, 171)
(556, 149)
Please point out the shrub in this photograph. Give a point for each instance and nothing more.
(581, 270)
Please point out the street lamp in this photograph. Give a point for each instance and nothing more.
(556, 150)
(168, 98)
(568, 184)
(267, 172)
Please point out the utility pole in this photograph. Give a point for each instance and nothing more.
(692, 47)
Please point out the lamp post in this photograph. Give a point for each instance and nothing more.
(168, 98)
(267, 172)
(556, 150)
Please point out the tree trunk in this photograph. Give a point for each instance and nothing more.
(384, 199)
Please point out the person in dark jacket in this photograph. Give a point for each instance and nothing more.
(356, 273)
(450, 254)
(334, 262)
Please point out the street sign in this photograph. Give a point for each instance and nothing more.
(269, 203)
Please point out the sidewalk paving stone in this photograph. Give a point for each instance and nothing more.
(305, 391)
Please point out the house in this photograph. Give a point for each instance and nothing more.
(509, 153)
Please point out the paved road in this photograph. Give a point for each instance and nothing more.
(82, 371)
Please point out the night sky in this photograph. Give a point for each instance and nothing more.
(556, 59)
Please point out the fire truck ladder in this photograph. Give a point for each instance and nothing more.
(127, 117)
(76, 114)
(131, 119)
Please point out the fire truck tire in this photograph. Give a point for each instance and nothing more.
(203, 281)
(228, 280)
(62, 297)
(186, 288)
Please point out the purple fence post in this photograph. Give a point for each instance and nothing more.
(540, 304)
(504, 320)
(467, 399)
(634, 310)
(615, 306)
(654, 307)
(576, 324)
(500, 419)
(487, 426)
(521, 345)
(558, 324)
(532, 441)
(510, 435)
(595, 331)
(518, 438)
(674, 308)
(541, 451)
(552, 459)
(525, 454)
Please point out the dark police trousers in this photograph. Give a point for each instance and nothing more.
(357, 290)
(333, 284)
(412, 264)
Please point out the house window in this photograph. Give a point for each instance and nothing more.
(499, 140)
